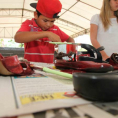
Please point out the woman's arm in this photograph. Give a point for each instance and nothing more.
(95, 43)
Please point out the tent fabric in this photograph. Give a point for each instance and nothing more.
(74, 17)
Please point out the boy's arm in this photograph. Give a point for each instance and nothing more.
(24, 37)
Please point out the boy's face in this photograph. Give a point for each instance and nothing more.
(43, 22)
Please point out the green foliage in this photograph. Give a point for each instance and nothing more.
(21, 45)
(10, 43)
(1, 42)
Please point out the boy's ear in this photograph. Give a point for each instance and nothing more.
(35, 15)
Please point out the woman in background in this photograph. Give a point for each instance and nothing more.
(104, 28)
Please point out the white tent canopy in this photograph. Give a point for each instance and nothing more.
(74, 17)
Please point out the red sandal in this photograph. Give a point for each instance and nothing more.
(12, 66)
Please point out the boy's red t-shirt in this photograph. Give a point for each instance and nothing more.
(40, 50)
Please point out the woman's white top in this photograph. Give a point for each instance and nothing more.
(108, 38)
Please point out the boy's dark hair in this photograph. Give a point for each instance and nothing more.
(38, 13)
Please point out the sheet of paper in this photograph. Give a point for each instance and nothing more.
(37, 87)
(7, 100)
(39, 93)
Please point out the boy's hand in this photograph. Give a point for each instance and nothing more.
(53, 37)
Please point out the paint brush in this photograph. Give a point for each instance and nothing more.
(45, 69)
(60, 43)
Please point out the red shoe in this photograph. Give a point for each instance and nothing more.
(87, 66)
(12, 66)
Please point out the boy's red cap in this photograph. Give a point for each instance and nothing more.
(48, 8)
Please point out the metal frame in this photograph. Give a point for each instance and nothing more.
(24, 13)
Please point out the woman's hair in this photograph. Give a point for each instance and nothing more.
(105, 14)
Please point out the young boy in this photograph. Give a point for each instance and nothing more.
(36, 33)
